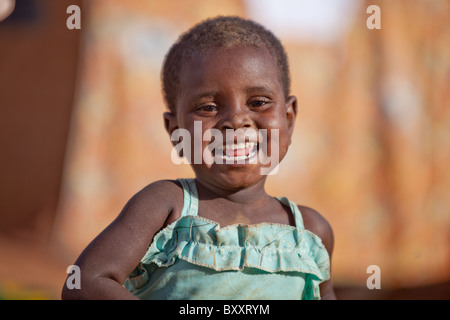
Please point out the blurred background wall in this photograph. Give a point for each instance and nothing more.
(81, 131)
(39, 60)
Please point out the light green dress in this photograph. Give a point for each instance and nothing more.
(194, 258)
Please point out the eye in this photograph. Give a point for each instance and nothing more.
(206, 109)
(259, 103)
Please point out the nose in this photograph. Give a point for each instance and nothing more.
(236, 117)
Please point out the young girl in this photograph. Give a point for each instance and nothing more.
(220, 235)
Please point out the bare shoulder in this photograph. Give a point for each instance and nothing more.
(162, 197)
(165, 190)
(149, 209)
(318, 225)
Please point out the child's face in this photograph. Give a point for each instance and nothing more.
(234, 88)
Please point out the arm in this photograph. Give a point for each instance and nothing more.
(112, 255)
(318, 225)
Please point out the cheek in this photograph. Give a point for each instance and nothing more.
(278, 135)
(278, 139)
(201, 137)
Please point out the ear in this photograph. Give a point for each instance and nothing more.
(291, 114)
(170, 122)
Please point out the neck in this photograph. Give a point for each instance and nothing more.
(250, 195)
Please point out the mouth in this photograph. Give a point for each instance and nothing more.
(234, 152)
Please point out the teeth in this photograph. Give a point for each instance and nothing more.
(241, 145)
(238, 158)
(251, 146)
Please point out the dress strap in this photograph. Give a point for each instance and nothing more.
(190, 197)
(295, 211)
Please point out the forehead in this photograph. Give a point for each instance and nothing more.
(229, 68)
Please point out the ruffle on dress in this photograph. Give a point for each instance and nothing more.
(268, 247)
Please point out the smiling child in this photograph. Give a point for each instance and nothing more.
(220, 235)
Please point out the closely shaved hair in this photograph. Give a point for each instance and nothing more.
(219, 32)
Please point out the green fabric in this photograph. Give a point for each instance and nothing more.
(193, 258)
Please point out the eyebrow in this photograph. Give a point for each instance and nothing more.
(248, 90)
(258, 89)
(210, 94)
